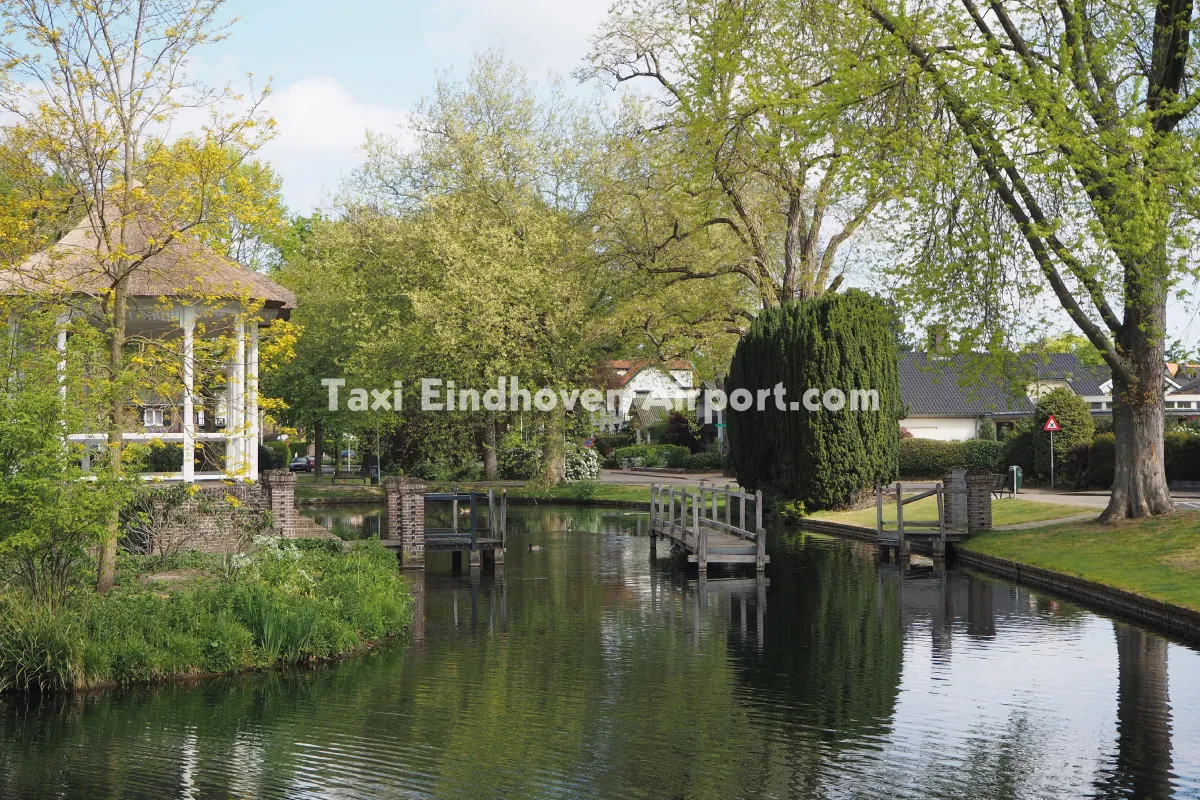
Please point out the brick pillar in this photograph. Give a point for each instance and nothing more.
(955, 482)
(979, 502)
(406, 518)
(281, 497)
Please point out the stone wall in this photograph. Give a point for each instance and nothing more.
(224, 517)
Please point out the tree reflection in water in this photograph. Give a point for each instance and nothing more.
(584, 669)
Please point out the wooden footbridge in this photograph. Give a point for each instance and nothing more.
(709, 525)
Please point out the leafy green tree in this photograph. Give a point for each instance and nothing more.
(496, 275)
(824, 458)
(1073, 417)
(50, 518)
(87, 85)
(1066, 160)
(739, 165)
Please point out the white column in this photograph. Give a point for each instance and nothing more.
(235, 405)
(61, 346)
(253, 429)
(187, 320)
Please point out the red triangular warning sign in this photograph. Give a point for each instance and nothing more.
(1051, 424)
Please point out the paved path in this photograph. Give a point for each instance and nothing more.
(629, 477)
(1045, 523)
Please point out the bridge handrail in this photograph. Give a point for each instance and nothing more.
(700, 504)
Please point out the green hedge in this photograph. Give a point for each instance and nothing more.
(1182, 452)
(606, 443)
(930, 458)
(705, 461)
(653, 455)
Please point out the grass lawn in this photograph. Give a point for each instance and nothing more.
(586, 491)
(1009, 511)
(309, 487)
(1158, 558)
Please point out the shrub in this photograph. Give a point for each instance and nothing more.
(582, 463)
(653, 455)
(705, 461)
(582, 490)
(39, 649)
(1102, 460)
(1181, 454)
(164, 457)
(606, 443)
(273, 455)
(675, 456)
(1075, 466)
(983, 454)
(518, 459)
(683, 430)
(931, 458)
(987, 429)
(790, 512)
(1181, 450)
(1018, 447)
(1073, 416)
(281, 603)
(823, 458)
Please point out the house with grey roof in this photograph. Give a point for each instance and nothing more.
(944, 399)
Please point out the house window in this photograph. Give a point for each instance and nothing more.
(1096, 406)
(152, 417)
(1170, 404)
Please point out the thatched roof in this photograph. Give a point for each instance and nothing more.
(183, 267)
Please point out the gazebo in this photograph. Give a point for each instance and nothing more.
(178, 285)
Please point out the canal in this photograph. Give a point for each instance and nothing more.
(582, 670)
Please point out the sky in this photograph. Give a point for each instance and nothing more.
(340, 69)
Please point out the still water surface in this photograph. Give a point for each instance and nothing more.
(581, 670)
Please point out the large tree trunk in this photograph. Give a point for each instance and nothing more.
(491, 459)
(1140, 474)
(319, 447)
(554, 451)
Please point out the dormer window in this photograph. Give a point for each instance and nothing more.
(152, 417)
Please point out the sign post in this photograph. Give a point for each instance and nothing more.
(1050, 427)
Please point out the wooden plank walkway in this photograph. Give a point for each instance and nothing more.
(699, 521)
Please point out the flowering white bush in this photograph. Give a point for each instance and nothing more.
(583, 463)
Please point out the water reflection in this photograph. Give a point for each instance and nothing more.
(589, 668)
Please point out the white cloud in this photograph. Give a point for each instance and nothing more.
(321, 127)
(542, 35)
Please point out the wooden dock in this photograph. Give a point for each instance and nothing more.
(709, 525)
(936, 534)
(482, 539)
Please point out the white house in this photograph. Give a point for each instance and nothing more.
(645, 386)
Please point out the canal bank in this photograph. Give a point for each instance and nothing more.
(987, 552)
(585, 668)
(1171, 617)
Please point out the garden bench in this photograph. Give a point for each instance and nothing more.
(1000, 485)
(359, 474)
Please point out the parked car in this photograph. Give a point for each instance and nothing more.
(301, 464)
